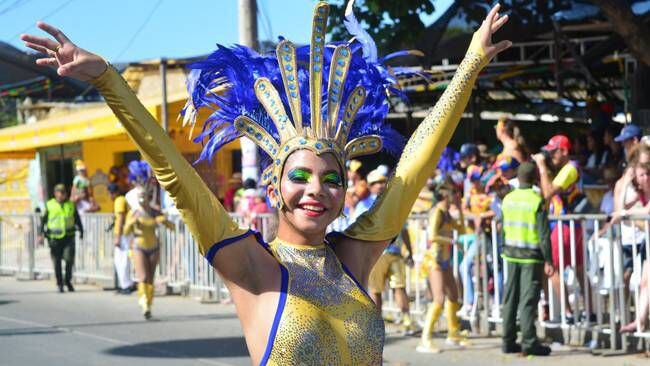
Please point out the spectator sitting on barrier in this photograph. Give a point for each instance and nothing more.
(509, 136)
(564, 193)
(633, 232)
(527, 253)
(437, 262)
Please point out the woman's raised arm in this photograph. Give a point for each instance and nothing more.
(421, 154)
(210, 224)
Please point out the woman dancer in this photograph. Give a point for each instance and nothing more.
(142, 221)
(441, 278)
(297, 298)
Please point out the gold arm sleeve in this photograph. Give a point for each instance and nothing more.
(420, 156)
(201, 211)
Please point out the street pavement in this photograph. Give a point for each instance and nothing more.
(39, 326)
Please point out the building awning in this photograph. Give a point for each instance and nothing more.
(85, 124)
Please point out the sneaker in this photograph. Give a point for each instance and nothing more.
(427, 347)
(464, 312)
(147, 314)
(511, 348)
(60, 288)
(457, 341)
(70, 287)
(539, 350)
(410, 329)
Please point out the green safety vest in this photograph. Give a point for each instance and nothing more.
(60, 218)
(520, 225)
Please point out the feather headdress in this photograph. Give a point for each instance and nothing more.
(321, 97)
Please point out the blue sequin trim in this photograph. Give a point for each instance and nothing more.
(218, 245)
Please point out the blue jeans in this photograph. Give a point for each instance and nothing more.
(467, 265)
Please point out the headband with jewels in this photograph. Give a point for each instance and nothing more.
(251, 95)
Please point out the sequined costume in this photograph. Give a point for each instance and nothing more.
(143, 227)
(323, 315)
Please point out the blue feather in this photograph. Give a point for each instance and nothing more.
(139, 172)
(233, 70)
(354, 28)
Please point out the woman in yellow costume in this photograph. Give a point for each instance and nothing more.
(438, 264)
(297, 298)
(142, 221)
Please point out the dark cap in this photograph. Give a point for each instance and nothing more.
(467, 150)
(60, 187)
(527, 172)
(628, 132)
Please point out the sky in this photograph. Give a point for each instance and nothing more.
(134, 30)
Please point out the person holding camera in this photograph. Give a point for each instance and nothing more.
(563, 192)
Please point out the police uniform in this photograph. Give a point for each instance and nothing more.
(59, 225)
(527, 247)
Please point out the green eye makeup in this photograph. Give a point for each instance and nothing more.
(303, 176)
(299, 175)
(333, 178)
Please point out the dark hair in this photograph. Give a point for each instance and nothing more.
(444, 190)
(527, 173)
(250, 183)
(113, 188)
(509, 128)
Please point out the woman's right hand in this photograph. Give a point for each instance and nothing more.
(69, 59)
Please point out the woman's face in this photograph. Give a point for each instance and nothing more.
(313, 191)
(642, 178)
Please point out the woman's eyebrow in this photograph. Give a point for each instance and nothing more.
(300, 168)
(333, 171)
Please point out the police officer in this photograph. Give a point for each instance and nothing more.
(527, 252)
(58, 226)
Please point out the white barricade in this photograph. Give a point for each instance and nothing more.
(604, 292)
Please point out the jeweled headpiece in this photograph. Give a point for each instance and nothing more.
(250, 95)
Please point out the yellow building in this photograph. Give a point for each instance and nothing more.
(92, 133)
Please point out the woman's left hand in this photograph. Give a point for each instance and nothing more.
(493, 21)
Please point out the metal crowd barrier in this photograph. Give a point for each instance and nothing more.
(607, 298)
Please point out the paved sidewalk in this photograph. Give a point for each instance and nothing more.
(39, 326)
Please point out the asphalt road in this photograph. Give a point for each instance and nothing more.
(39, 326)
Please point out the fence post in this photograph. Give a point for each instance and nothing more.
(31, 248)
(485, 324)
(612, 283)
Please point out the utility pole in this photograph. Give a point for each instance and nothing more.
(164, 120)
(248, 37)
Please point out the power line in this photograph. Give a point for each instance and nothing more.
(45, 17)
(137, 32)
(15, 5)
(266, 20)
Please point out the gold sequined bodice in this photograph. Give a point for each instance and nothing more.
(326, 318)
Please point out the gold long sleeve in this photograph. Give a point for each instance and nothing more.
(207, 220)
(420, 156)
